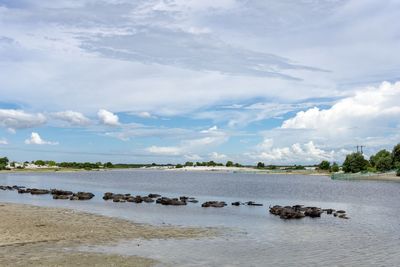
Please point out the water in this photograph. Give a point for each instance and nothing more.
(251, 236)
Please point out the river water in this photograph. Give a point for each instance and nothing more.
(251, 236)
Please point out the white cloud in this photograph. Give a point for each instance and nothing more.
(294, 154)
(108, 118)
(371, 107)
(35, 139)
(241, 115)
(192, 157)
(145, 115)
(207, 140)
(165, 150)
(18, 119)
(72, 117)
(3, 141)
(210, 130)
(217, 156)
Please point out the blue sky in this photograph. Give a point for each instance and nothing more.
(176, 80)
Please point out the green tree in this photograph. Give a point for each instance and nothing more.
(355, 162)
(3, 163)
(260, 165)
(40, 162)
(229, 163)
(51, 163)
(398, 172)
(211, 163)
(334, 167)
(178, 166)
(108, 165)
(299, 167)
(382, 160)
(396, 155)
(384, 164)
(189, 163)
(272, 167)
(381, 154)
(324, 165)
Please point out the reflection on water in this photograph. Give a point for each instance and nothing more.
(370, 238)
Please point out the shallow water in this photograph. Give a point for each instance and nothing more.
(254, 237)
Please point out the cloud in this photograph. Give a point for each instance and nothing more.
(3, 141)
(19, 119)
(193, 60)
(210, 130)
(108, 118)
(165, 150)
(217, 156)
(129, 131)
(72, 117)
(368, 109)
(145, 115)
(207, 139)
(369, 117)
(192, 157)
(209, 54)
(35, 139)
(294, 154)
(240, 115)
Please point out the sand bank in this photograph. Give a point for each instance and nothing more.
(38, 236)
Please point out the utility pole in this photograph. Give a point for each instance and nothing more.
(360, 149)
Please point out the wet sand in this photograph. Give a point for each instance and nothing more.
(39, 236)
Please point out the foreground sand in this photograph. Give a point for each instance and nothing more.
(38, 236)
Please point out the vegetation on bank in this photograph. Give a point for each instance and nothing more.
(5, 164)
(382, 161)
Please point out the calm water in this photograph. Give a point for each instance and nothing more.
(252, 237)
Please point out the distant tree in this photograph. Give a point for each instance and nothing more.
(334, 167)
(178, 166)
(189, 163)
(211, 163)
(384, 164)
(12, 164)
(51, 163)
(108, 165)
(355, 162)
(271, 167)
(324, 165)
(299, 167)
(382, 160)
(396, 156)
(3, 163)
(229, 163)
(373, 160)
(40, 162)
(260, 165)
(237, 165)
(398, 172)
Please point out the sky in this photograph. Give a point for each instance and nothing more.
(169, 81)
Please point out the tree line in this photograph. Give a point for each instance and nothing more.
(382, 161)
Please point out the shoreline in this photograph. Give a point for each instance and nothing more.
(42, 236)
(224, 169)
(217, 169)
(220, 169)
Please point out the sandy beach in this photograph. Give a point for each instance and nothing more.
(243, 170)
(38, 236)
